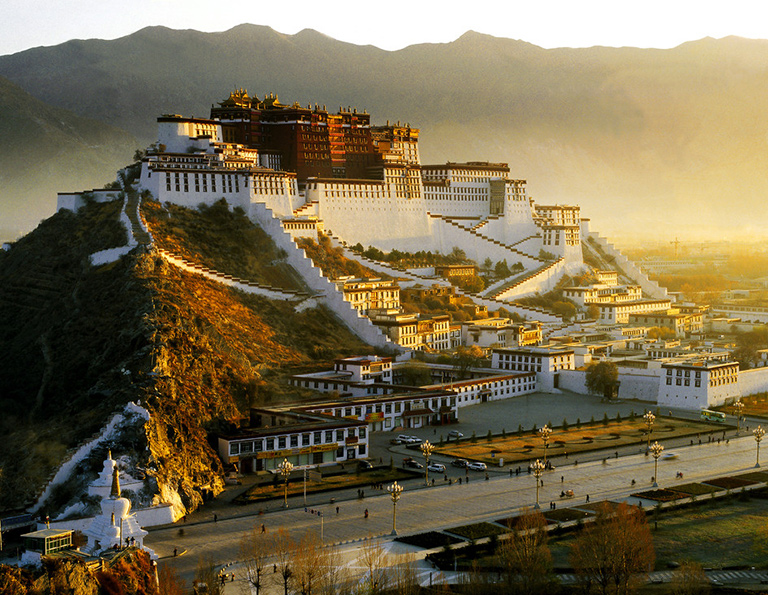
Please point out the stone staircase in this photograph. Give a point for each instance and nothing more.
(485, 238)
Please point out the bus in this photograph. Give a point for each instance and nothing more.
(708, 415)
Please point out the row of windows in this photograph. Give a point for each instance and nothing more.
(292, 441)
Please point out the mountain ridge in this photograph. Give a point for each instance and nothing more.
(627, 133)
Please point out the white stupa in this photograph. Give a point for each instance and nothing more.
(102, 486)
(115, 526)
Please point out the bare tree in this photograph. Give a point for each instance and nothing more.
(308, 564)
(205, 573)
(614, 550)
(283, 550)
(374, 560)
(690, 579)
(525, 555)
(335, 578)
(403, 577)
(255, 548)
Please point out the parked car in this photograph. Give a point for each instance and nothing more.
(413, 440)
(476, 466)
(455, 434)
(395, 441)
(436, 467)
(412, 464)
(403, 438)
(459, 463)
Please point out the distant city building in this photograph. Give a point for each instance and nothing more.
(683, 325)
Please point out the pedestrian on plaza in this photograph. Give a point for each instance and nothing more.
(587, 497)
(366, 513)
(263, 528)
(542, 483)
(215, 518)
(562, 479)
(337, 510)
(175, 552)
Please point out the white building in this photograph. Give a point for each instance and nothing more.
(699, 384)
(546, 361)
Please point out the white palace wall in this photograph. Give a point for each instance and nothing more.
(753, 381)
(386, 223)
(313, 277)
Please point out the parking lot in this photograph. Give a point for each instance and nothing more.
(526, 411)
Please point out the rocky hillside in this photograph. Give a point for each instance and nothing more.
(78, 342)
(129, 572)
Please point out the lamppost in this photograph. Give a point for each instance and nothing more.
(394, 491)
(656, 450)
(649, 419)
(545, 433)
(537, 468)
(285, 469)
(739, 407)
(426, 450)
(759, 432)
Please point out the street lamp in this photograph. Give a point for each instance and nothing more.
(656, 450)
(649, 419)
(426, 450)
(545, 433)
(739, 407)
(759, 432)
(537, 468)
(285, 469)
(394, 491)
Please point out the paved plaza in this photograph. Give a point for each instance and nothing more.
(443, 506)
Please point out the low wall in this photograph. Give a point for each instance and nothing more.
(638, 385)
(574, 381)
(753, 381)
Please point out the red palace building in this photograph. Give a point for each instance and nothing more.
(311, 141)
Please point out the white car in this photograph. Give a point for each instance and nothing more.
(455, 434)
(436, 467)
(413, 440)
(404, 438)
(668, 456)
(477, 466)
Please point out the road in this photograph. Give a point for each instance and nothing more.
(444, 506)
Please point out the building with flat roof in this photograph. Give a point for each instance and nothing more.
(545, 361)
(369, 294)
(698, 384)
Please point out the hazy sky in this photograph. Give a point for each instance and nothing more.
(394, 24)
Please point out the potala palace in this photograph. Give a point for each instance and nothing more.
(301, 170)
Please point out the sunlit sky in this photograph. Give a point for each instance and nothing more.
(394, 24)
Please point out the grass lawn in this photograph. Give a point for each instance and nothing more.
(527, 446)
(725, 532)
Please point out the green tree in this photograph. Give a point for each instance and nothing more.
(566, 310)
(600, 376)
(660, 332)
(501, 270)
